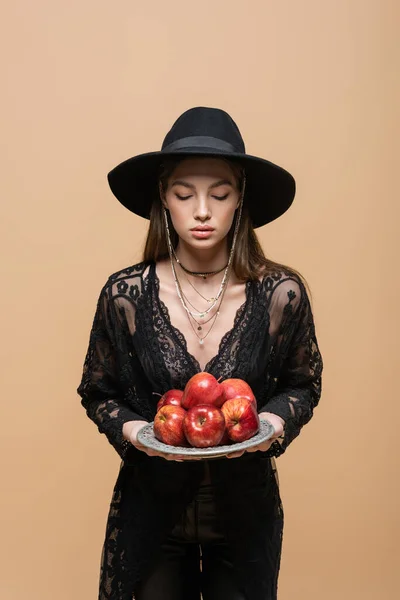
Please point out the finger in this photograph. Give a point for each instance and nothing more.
(261, 447)
(140, 447)
(235, 454)
(178, 457)
(265, 446)
(151, 452)
(173, 457)
(185, 458)
(166, 456)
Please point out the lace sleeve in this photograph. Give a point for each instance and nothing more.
(100, 390)
(298, 388)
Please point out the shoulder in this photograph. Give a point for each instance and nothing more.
(285, 289)
(129, 273)
(126, 283)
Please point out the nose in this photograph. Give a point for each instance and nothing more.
(202, 211)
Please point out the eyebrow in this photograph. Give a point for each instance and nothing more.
(192, 187)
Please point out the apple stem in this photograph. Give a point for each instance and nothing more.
(156, 394)
(219, 378)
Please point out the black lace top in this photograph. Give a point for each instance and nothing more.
(134, 352)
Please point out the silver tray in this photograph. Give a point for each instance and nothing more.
(146, 437)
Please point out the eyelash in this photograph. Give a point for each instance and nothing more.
(216, 197)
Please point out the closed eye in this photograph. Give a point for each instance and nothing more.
(190, 195)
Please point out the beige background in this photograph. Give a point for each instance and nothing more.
(314, 86)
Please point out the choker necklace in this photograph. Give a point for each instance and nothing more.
(199, 293)
(202, 274)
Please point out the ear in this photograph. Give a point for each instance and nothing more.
(239, 202)
(242, 190)
(162, 195)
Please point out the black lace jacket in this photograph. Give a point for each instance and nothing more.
(135, 351)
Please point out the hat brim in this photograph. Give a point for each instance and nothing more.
(269, 193)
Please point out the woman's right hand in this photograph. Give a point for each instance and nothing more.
(130, 430)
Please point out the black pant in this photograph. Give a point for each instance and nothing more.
(195, 558)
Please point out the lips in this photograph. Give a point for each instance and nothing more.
(202, 228)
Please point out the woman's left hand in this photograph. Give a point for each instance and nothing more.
(277, 423)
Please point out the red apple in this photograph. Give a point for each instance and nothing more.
(226, 440)
(168, 425)
(204, 425)
(202, 388)
(241, 418)
(170, 397)
(235, 388)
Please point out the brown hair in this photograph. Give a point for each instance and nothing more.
(249, 261)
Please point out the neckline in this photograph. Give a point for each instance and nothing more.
(179, 336)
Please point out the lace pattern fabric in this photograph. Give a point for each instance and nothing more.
(135, 353)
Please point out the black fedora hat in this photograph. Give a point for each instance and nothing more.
(203, 131)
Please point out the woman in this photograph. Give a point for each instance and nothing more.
(204, 298)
